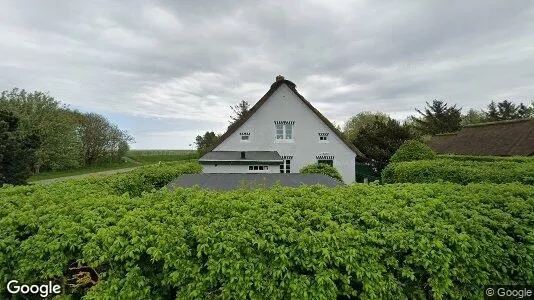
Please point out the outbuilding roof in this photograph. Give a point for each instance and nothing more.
(241, 156)
(504, 138)
(226, 182)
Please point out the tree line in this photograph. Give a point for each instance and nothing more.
(378, 135)
(38, 133)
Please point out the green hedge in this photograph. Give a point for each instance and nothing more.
(359, 241)
(459, 171)
(413, 150)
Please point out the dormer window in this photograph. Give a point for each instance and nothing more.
(245, 136)
(323, 137)
(284, 130)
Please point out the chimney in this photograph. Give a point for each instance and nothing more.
(242, 154)
(279, 77)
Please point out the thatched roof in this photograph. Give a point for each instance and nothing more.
(504, 138)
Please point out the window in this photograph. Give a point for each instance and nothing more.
(323, 138)
(285, 167)
(258, 168)
(284, 131)
(244, 137)
(289, 131)
(329, 162)
(279, 131)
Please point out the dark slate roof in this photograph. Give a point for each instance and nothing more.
(235, 156)
(504, 138)
(278, 83)
(226, 182)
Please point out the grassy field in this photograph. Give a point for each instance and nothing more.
(155, 156)
(134, 158)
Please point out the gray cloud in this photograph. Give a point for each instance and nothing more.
(188, 61)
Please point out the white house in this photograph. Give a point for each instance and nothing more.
(281, 133)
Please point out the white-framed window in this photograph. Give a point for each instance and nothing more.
(245, 137)
(284, 131)
(285, 166)
(258, 168)
(323, 137)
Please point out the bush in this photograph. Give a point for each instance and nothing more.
(413, 150)
(321, 169)
(359, 241)
(459, 171)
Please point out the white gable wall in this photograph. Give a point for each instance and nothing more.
(284, 105)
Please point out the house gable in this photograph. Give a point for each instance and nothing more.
(288, 89)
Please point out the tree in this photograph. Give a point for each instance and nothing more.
(40, 113)
(379, 140)
(507, 110)
(17, 151)
(473, 117)
(102, 140)
(354, 125)
(206, 142)
(438, 117)
(240, 110)
(523, 111)
(492, 114)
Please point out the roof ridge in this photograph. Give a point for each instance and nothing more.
(499, 122)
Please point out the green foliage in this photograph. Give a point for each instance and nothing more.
(438, 117)
(379, 140)
(355, 124)
(321, 169)
(413, 150)
(408, 241)
(102, 140)
(154, 156)
(206, 142)
(473, 117)
(507, 110)
(459, 171)
(68, 139)
(17, 151)
(39, 113)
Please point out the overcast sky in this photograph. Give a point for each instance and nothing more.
(169, 70)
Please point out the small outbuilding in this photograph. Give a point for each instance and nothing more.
(232, 181)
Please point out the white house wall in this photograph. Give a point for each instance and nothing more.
(212, 168)
(284, 105)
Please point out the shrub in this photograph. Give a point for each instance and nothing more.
(359, 241)
(459, 171)
(413, 150)
(321, 169)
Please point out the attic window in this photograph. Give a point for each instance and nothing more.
(284, 130)
(245, 136)
(323, 136)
